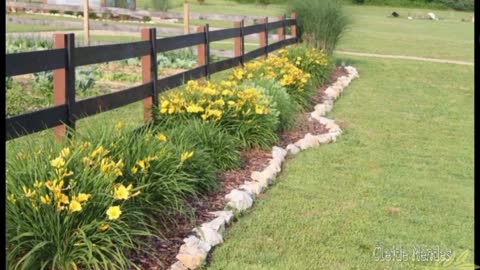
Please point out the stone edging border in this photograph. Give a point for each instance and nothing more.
(196, 247)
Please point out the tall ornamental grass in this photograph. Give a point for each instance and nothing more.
(320, 23)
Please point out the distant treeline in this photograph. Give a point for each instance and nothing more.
(467, 5)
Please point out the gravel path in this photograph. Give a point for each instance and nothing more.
(407, 58)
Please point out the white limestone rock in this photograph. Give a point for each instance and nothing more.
(311, 139)
(239, 200)
(326, 121)
(293, 149)
(324, 138)
(432, 16)
(335, 135)
(330, 91)
(352, 71)
(252, 187)
(308, 141)
(226, 215)
(320, 109)
(315, 115)
(328, 105)
(262, 177)
(279, 153)
(217, 224)
(209, 235)
(276, 166)
(193, 253)
(332, 127)
(178, 266)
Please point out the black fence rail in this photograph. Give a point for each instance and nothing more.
(65, 58)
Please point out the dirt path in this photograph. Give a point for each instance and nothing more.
(407, 58)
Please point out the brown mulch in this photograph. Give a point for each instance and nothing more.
(253, 160)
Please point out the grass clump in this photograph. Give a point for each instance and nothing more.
(320, 23)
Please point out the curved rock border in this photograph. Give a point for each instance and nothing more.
(194, 251)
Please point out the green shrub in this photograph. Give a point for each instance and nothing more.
(320, 23)
(16, 100)
(107, 15)
(159, 4)
(53, 11)
(310, 60)
(281, 103)
(296, 81)
(79, 13)
(153, 161)
(92, 15)
(146, 18)
(22, 44)
(238, 110)
(68, 12)
(58, 209)
(222, 147)
(184, 59)
(467, 5)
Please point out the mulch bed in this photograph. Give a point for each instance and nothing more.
(253, 160)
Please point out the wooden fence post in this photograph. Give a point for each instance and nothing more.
(202, 49)
(294, 27)
(264, 35)
(86, 26)
(186, 18)
(64, 83)
(150, 73)
(239, 42)
(281, 30)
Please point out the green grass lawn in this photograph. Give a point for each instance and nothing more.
(220, 7)
(407, 144)
(20, 28)
(373, 31)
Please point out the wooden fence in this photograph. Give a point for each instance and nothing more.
(65, 57)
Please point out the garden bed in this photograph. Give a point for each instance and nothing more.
(142, 190)
(252, 160)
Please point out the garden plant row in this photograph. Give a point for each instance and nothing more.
(90, 201)
(196, 247)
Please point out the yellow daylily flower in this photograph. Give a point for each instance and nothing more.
(104, 227)
(45, 199)
(58, 162)
(121, 192)
(114, 212)
(161, 137)
(11, 198)
(75, 206)
(65, 152)
(82, 197)
(28, 192)
(186, 155)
